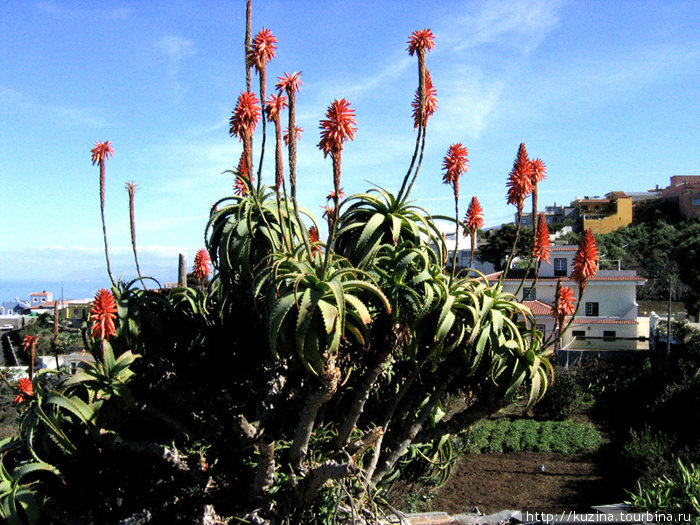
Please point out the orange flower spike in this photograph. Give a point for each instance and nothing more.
(289, 83)
(586, 259)
(539, 171)
(242, 174)
(455, 165)
(420, 41)
(245, 115)
(314, 240)
(101, 152)
(337, 127)
(520, 179)
(564, 304)
(430, 104)
(331, 196)
(102, 314)
(29, 341)
(262, 49)
(297, 134)
(25, 390)
(543, 246)
(274, 106)
(202, 265)
(474, 219)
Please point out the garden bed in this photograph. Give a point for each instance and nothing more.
(514, 480)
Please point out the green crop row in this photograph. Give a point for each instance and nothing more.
(527, 435)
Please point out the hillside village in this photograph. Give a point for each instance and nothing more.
(608, 320)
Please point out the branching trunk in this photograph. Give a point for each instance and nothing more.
(362, 395)
(170, 456)
(314, 401)
(409, 433)
(459, 421)
(265, 473)
(329, 470)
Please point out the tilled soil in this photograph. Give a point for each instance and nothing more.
(515, 481)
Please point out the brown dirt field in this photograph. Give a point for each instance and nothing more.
(514, 481)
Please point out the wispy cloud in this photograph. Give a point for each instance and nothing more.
(60, 11)
(78, 116)
(522, 24)
(175, 49)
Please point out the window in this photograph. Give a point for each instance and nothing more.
(73, 367)
(579, 334)
(529, 294)
(592, 309)
(34, 299)
(609, 335)
(696, 201)
(43, 299)
(541, 328)
(560, 267)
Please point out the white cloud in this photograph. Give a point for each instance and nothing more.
(522, 24)
(54, 9)
(78, 116)
(175, 48)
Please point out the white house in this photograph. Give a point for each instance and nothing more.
(607, 317)
(464, 251)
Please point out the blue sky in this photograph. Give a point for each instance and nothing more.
(606, 93)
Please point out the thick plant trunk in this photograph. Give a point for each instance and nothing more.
(409, 434)
(314, 401)
(362, 395)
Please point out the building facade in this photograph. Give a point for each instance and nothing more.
(607, 316)
(605, 215)
(685, 190)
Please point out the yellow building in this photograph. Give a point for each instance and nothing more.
(605, 215)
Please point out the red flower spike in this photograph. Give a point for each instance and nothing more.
(314, 240)
(539, 171)
(421, 40)
(29, 341)
(337, 127)
(297, 133)
(430, 104)
(475, 216)
(520, 179)
(289, 82)
(242, 174)
(543, 246)
(564, 305)
(331, 195)
(102, 314)
(274, 106)
(586, 258)
(245, 115)
(101, 152)
(202, 265)
(262, 49)
(455, 164)
(25, 390)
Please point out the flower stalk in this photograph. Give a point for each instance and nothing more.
(131, 190)
(100, 153)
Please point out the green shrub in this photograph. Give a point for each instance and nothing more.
(679, 493)
(646, 454)
(562, 399)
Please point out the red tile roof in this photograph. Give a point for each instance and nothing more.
(538, 308)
